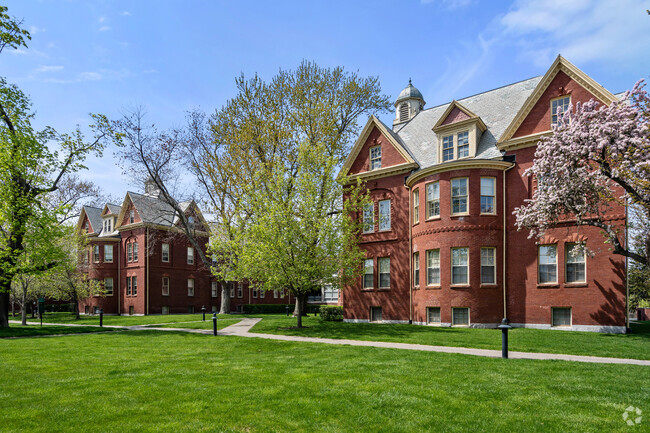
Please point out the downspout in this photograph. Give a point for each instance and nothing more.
(505, 308)
(146, 248)
(627, 273)
(410, 223)
(119, 279)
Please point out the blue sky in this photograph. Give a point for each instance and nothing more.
(171, 56)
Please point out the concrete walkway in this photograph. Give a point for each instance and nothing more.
(242, 329)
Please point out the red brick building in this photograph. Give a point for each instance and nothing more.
(440, 239)
(147, 265)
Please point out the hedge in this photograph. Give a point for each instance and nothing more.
(276, 308)
(331, 313)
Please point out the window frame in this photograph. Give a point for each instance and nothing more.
(429, 322)
(214, 289)
(554, 309)
(465, 135)
(453, 310)
(466, 266)
(240, 290)
(379, 220)
(554, 116)
(568, 246)
(134, 285)
(96, 255)
(493, 266)
(131, 216)
(494, 196)
(108, 247)
(163, 252)
(430, 269)
(539, 264)
(466, 196)
(380, 273)
(368, 226)
(129, 251)
(445, 140)
(135, 251)
(112, 286)
(366, 273)
(190, 255)
(190, 287)
(435, 187)
(128, 286)
(416, 205)
(163, 286)
(375, 161)
(416, 269)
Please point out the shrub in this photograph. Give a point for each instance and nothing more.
(331, 313)
(267, 308)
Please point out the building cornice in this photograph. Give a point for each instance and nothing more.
(458, 165)
(523, 142)
(159, 227)
(383, 172)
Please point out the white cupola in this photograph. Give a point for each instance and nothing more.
(408, 104)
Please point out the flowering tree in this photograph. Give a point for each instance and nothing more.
(597, 157)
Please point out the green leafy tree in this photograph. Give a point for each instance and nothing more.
(33, 164)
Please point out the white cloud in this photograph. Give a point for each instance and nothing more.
(33, 30)
(580, 30)
(126, 14)
(449, 4)
(101, 19)
(90, 76)
(47, 68)
(104, 28)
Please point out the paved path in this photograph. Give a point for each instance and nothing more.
(242, 329)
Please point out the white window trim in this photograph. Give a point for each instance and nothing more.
(162, 290)
(112, 286)
(375, 159)
(494, 197)
(214, 289)
(469, 321)
(416, 205)
(369, 226)
(106, 248)
(539, 264)
(568, 246)
(570, 317)
(451, 262)
(427, 268)
(427, 201)
(190, 255)
(494, 266)
(416, 267)
(379, 220)
(379, 273)
(554, 114)
(439, 316)
(451, 195)
(190, 285)
(162, 253)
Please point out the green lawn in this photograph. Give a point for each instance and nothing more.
(221, 323)
(152, 381)
(32, 330)
(120, 320)
(635, 345)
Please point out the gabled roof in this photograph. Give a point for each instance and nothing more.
(153, 210)
(111, 209)
(393, 139)
(456, 104)
(560, 64)
(94, 215)
(496, 108)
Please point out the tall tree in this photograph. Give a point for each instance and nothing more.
(286, 140)
(597, 156)
(32, 165)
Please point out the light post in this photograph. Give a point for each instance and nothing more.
(203, 310)
(214, 323)
(101, 317)
(504, 337)
(287, 311)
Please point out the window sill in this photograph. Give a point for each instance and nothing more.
(367, 289)
(488, 214)
(580, 284)
(433, 218)
(165, 295)
(416, 287)
(489, 286)
(385, 231)
(454, 215)
(436, 287)
(383, 289)
(548, 286)
(367, 233)
(105, 261)
(460, 286)
(416, 223)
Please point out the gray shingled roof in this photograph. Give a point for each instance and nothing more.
(155, 211)
(114, 208)
(94, 215)
(497, 108)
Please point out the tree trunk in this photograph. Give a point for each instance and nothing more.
(4, 305)
(76, 306)
(300, 304)
(23, 308)
(13, 309)
(304, 306)
(225, 299)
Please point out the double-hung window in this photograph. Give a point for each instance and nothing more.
(135, 251)
(463, 144)
(488, 265)
(134, 281)
(460, 265)
(165, 253)
(96, 253)
(369, 218)
(575, 264)
(108, 286)
(129, 252)
(416, 206)
(560, 105)
(416, 269)
(375, 157)
(215, 289)
(190, 287)
(447, 148)
(165, 286)
(433, 200)
(547, 264)
(190, 255)
(128, 286)
(384, 272)
(240, 290)
(384, 215)
(433, 267)
(368, 274)
(459, 195)
(488, 195)
(131, 216)
(108, 253)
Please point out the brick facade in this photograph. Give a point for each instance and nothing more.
(596, 302)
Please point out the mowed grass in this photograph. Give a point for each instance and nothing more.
(151, 381)
(69, 318)
(634, 345)
(33, 330)
(221, 323)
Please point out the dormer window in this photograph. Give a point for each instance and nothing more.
(447, 148)
(375, 158)
(561, 104)
(458, 131)
(463, 144)
(131, 216)
(404, 112)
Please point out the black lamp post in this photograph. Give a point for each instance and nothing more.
(287, 307)
(101, 317)
(203, 310)
(214, 323)
(504, 337)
